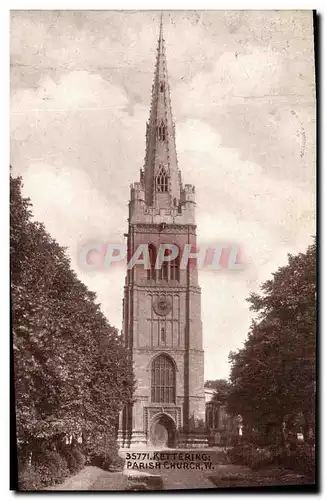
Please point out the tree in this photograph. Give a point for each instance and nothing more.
(72, 372)
(221, 389)
(273, 375)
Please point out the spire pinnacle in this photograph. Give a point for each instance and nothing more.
(161, 173)
(161, 27)
(161, 23)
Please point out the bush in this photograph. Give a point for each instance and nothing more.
(29, 478)
(74, 457)
(46, 469)
(113, 463)
(250, 455)
(79, 457)
(53, 468)
(70, 459)
(104, 454)
(108, 462)
(262, 457)
(300, 459)
(241, 454)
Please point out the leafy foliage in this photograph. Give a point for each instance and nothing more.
(47, 469)
(74, 458)
(29, 478)
(273, 375)
(102, 451)
(72, 371)
(221, 390)
(300, 458)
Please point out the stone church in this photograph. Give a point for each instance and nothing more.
(162, 307)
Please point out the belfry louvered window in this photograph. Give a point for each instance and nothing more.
(151, 273)
(163, 380)
(175, 268)
(169, 270)
(162, 181)
(162, 132)
(163, 273)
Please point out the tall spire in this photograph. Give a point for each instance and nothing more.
(161, 26)
(161, 174)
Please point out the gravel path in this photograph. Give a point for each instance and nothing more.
(185, 479)
(166, 477)
(92, 478)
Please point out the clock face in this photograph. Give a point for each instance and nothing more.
(162, 306)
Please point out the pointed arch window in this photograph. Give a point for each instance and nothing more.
(162, 181)
(163, 380)
(175, 268)
(162, 132)
(164, 271)
(169, 270)
(162, 87)
(151, 273)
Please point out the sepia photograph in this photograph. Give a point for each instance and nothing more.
(163, 281)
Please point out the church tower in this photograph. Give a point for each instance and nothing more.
(162, 306)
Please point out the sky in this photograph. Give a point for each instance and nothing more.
(243, 99)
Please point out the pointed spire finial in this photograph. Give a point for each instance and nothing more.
(161, 155)
(160, 38)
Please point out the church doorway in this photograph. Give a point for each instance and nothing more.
(163, 432)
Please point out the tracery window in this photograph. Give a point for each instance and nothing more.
(162, 181)
(163, 380)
